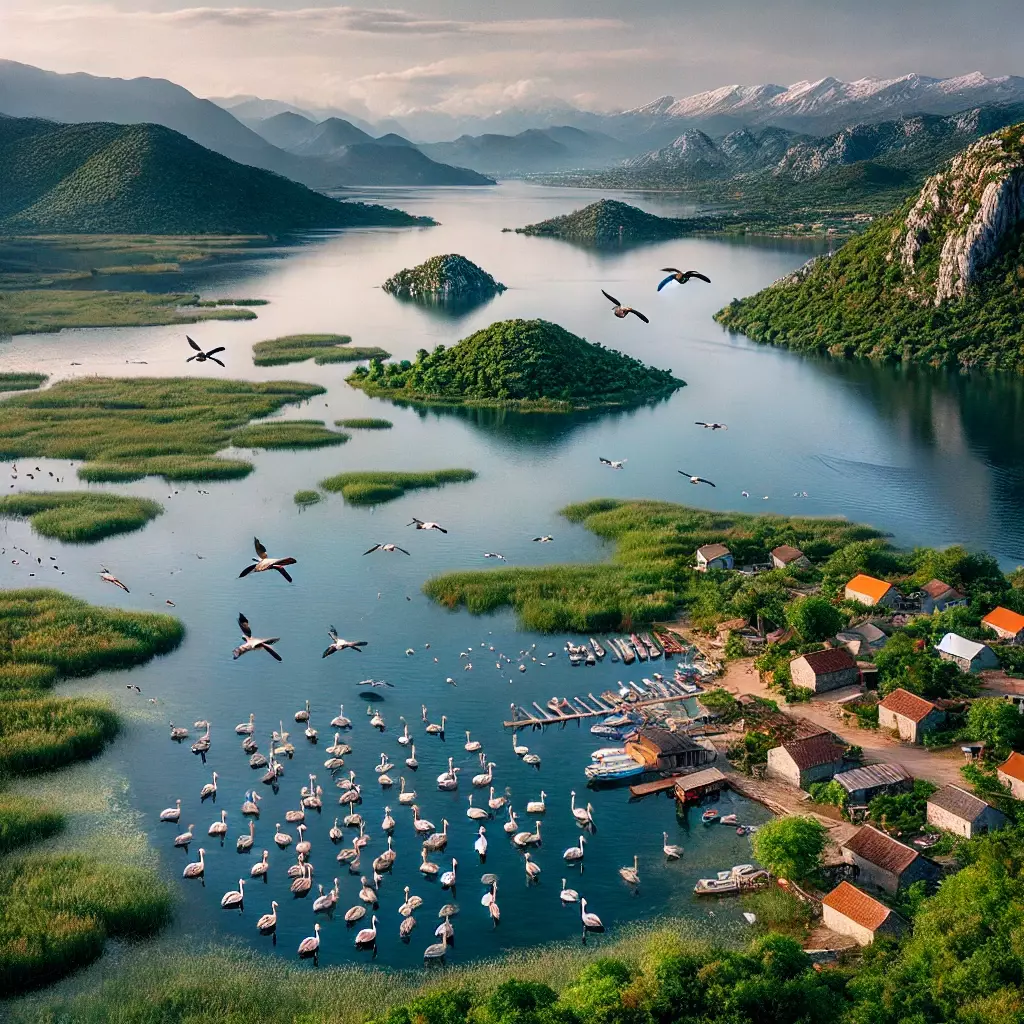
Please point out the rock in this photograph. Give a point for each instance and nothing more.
(442, 278)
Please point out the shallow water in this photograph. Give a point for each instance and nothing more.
(929, 458)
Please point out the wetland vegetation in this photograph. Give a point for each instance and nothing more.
(79, 517)
(321, 348)
(364, 423)
(307, 497)
(22, 381)
(287, 434)
(373, 488)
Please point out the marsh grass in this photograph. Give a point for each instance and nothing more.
(80, 517)
(39, 735)
(365, 423)
(322, 348)
(307, 497)
(373, 488)
(128, 429)
(649, 576)
(287, 434)
(22, 381)
(24, 821)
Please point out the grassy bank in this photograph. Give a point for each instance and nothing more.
(23, 821)
(307, 497)
(79, 517)
(365, 423)
(287, 434)
(322, 348)
(128, 429)
(22, 381)
(369, 488)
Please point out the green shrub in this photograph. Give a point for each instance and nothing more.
(307, 497)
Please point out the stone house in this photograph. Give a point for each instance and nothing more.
(801, 762)
(825, 670)
(908, 715)
(869, 591)
(956, 810)
(785, 555)
(968, 655)
(1006, 625)
(714, 556)
(863, 639)
(1011, 773)
(850, 911)
(937, 596)
(884, 862)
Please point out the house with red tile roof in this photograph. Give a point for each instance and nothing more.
(908, 715)
(937, 596)
(869, 591)
(801, 762)
(1006, 624)
(1011, 773)
(884, 862)
(825, 670)
(850, 911)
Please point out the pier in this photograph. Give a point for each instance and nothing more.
(607, 704)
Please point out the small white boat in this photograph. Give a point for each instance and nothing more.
(713, 886)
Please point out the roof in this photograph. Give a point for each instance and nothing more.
(959, 646)
(704, 777)
(936, 589)
(710, 551)
(908, 705)
(959, 802)
(1014, 766)
(869, 586)
(814, 751)
(786, 553)
(866, 631)
(668, 742)
(835, 659)
(881, 850)
(872, 775)
(1003, 618)
(857, 905)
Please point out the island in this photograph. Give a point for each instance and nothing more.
(321, 348)
(442, 279)
(531, 365)
(937, 282)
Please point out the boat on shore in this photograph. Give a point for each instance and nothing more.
(626, 650)
(716, 886)
(653, 650)
(638, 646)
(599, 651)
(735, 880)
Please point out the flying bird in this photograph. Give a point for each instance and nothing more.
(711, 426)
(389, 548)
(546, 539)
(264, 562)
(695, 479)
(337, 644)
(108, 577)
(201, 356)
(623, 311)
(495, 554)
(612, 463)
(421, 525)
(254, 643)
(682, 276)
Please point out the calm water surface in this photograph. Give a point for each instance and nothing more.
(932, 459)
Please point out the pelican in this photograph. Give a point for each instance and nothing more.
(437, 950)
(249, 745)
(302, 846)
(476, 812)
(353, 820)
(350, 855)
(574, 853)
(405, 739)
(497, 802)
(250, 805)
(681, 276)
(532, 869)
(671, 851)
(591, 922)
(251, 643)
(421, 824)
(171, 813)
(354, 914)
(421, 525)
(210, 789)
(406, 927)
(472, 746)
(351, 796)
(411, 761)
(246, 728)
(405, 797)
(512, 824)
(337, 644)
(340, 721)
(495, 554)
(185, 838)
(527, 838)
(568, 895)
(517, 748)
(259, 869)
(219, 828)
(362, 839)
(197, 868)
(293, 817)
(200, 356)
(326, 901)
(202, 745)
(368, 936)
(631, 875)
(448, 878)
(108, 577)
(612, 463)
(485, 778)
(384, 766)
(584, 815)
(264, 562)
(622, 311)
(244, 842)
(435, 729)
(233, 898)
(304, 882)
(310, 945)
(338, 748)
(303, 715)
(537, 806)
(427, 867)
(546, 539)
(411, 903)
(377, 721)
(714, 426)
(694, 479)
(387, 548)
(366, 893)
(480, 843)
(438, 840)
(386, 861)
(388, 824)
(178, 732)
(492, 908)
(268, 922)
(281, 838)
(281, 739)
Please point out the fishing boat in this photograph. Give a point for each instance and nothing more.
(605, 753)
(728, 819)
(709, 816)
(613, 650)
(575, 657)
(669, 644)
(628, 657)
(607, 731)
(653, 650)
(638, 646)
(614, 769)
(598, 649)
(617, 720)
(588, 655)
(716, 886)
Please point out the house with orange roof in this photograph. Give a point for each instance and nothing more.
(850, 911)
(869, 591)
(1011, 773)
(908, 715)
(1006, 624)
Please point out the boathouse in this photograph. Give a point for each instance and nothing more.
(937, 596)
(825, 670)
(1006, 625)
(694, 786)
(870, 591)
(863, 784)
(908, 715)
(884, 862)
(1011, 773)
(968, 655)
(659, 749)
(957, 810)
(801, 762)
(848, 910)
(786, 555)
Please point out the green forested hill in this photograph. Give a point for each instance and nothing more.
(143, 178)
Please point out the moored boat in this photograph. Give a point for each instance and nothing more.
(653, 650)
(598, 649)
(709, 816)
(638, 646)
(716, 886)
(626, 649)
(728, 819)
(613, 769)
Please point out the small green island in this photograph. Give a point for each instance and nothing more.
(321, 348)
(449, 278)
(938, 282)
(287, 434)
(364, 423)
(531, 365)
(79, 517)
(362, 487)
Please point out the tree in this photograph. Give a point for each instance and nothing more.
(815, 619)
(828, 793)
(761, 598)
(996, 723)
(791, 847)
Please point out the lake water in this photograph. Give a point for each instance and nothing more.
(932, 459)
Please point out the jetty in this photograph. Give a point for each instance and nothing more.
(575, 709)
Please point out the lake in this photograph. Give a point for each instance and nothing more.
(931, 458)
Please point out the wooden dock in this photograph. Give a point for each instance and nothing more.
(524, 719)
(657, 786)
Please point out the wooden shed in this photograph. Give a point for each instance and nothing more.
(665, 751)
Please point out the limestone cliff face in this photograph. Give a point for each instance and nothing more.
(961, 217)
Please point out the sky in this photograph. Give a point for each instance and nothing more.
(474, 57)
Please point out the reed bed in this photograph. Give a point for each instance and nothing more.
(307, 497)
(50, 732)
(127, 429)
(649, 577)
(374, 488)
(322, 348)
(287, 434)
(22, 381)
(364, 423)
(79, 517)
(23, 821)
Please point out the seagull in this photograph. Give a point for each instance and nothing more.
(421, 525)
(546, 539)
(495, 554)
(337, 644)
(108, 577)
(710, 426)
(682, 276)
(201, 356)
(389, 548)
(376, 683)
(745, 494)
(251, 643)
(264, 562)
(623, 311)
(695, 479)
(612, 463)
